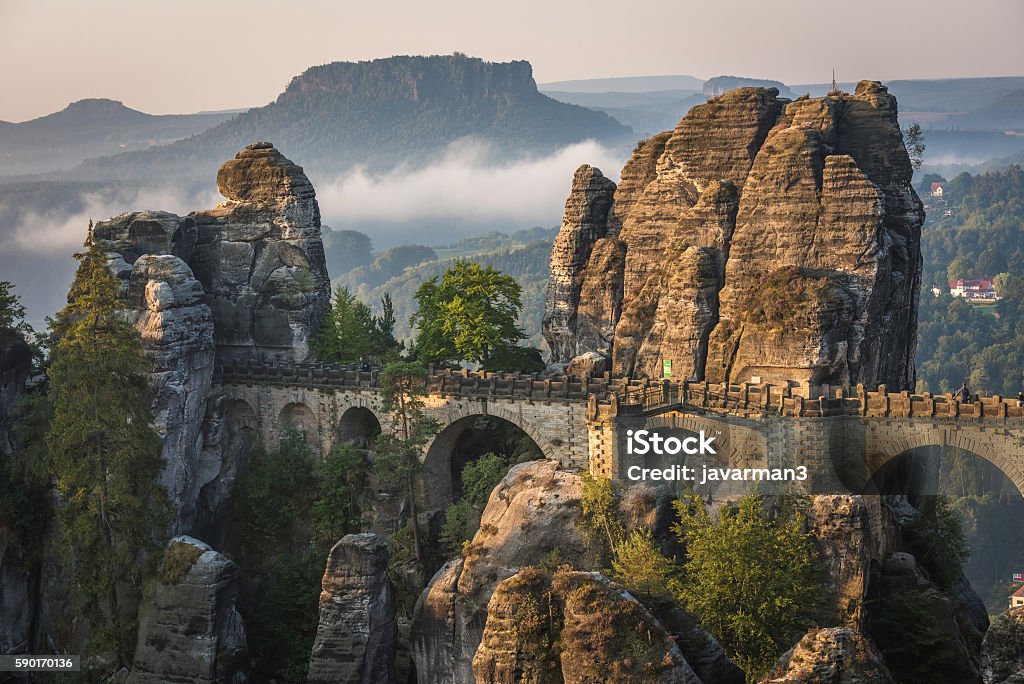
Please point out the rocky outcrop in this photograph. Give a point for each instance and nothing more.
(532, 519)
(574, 627)
(585, 222)
(1002, 654)
(355, 640)
(836, 655)
(189, 630)
(260, 258)
(913, 618)
(532, 513)
(761, 240)
(855, 535)
(246, 278)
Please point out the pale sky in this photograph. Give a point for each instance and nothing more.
(182, 56)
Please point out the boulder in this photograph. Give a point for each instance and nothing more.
(574, 627)
(835, 655)
(530, 516)
(1002, 653)
(189, 629)
(355, 639)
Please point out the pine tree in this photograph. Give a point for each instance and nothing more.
(104, 452)
(347, 331)
(404, 386)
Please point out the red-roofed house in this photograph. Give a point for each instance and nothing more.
(938, 189)
(974, 288)
(1017, 598)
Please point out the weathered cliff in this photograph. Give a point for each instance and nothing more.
(1002, 654)
(189, 629)
(761, 239)
(246, 278)
(260, 258)
(355, 639)
(15, 366)
(837, 655)
(574, 627)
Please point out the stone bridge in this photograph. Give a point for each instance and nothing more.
(847, 439)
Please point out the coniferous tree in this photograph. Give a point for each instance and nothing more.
(347, 331)
(104, 453)
(404, 386)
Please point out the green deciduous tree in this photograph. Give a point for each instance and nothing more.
(462, 518)
(403, 389)
(104, 451)
(470, 315)
(341, 481)
(755, 583)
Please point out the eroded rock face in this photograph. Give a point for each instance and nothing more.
(168, 309)
(530, 514)
(246, 278)
(907, 594)
(836, 655)
(585, 222)
(260, 258)
(602, 634)
(355, 640)
(762, 238)
(1002, 653)
(189, 630)
(855, 534)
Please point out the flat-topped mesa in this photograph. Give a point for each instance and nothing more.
(762, 240)
(260, 258)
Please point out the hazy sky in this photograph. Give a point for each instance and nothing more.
(175, 56)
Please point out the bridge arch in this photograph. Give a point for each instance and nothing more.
(998, 449)
(446, 455)
(358, 426)
(242, 415)
(298, 416)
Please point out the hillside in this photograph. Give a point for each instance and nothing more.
(379, 114)
(91, 128)
(401, 270)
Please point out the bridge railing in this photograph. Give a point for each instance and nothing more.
(811, 401)
(638, 396)
(445, 382)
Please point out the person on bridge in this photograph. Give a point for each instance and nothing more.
(963, 395)
(364, 365)
(1020, 399)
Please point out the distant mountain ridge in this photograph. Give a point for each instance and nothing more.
(379, 114)
(91, 128)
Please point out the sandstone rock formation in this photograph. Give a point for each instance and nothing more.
(246, 278)
(585, 222)
(189, 630)
(906, 593)
(532, 518)
(836, 655)
(355, 640)
(260, 258)
(574, 627)
(761, 239)
(530, 514)
(855, 535)
(1002, 654)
